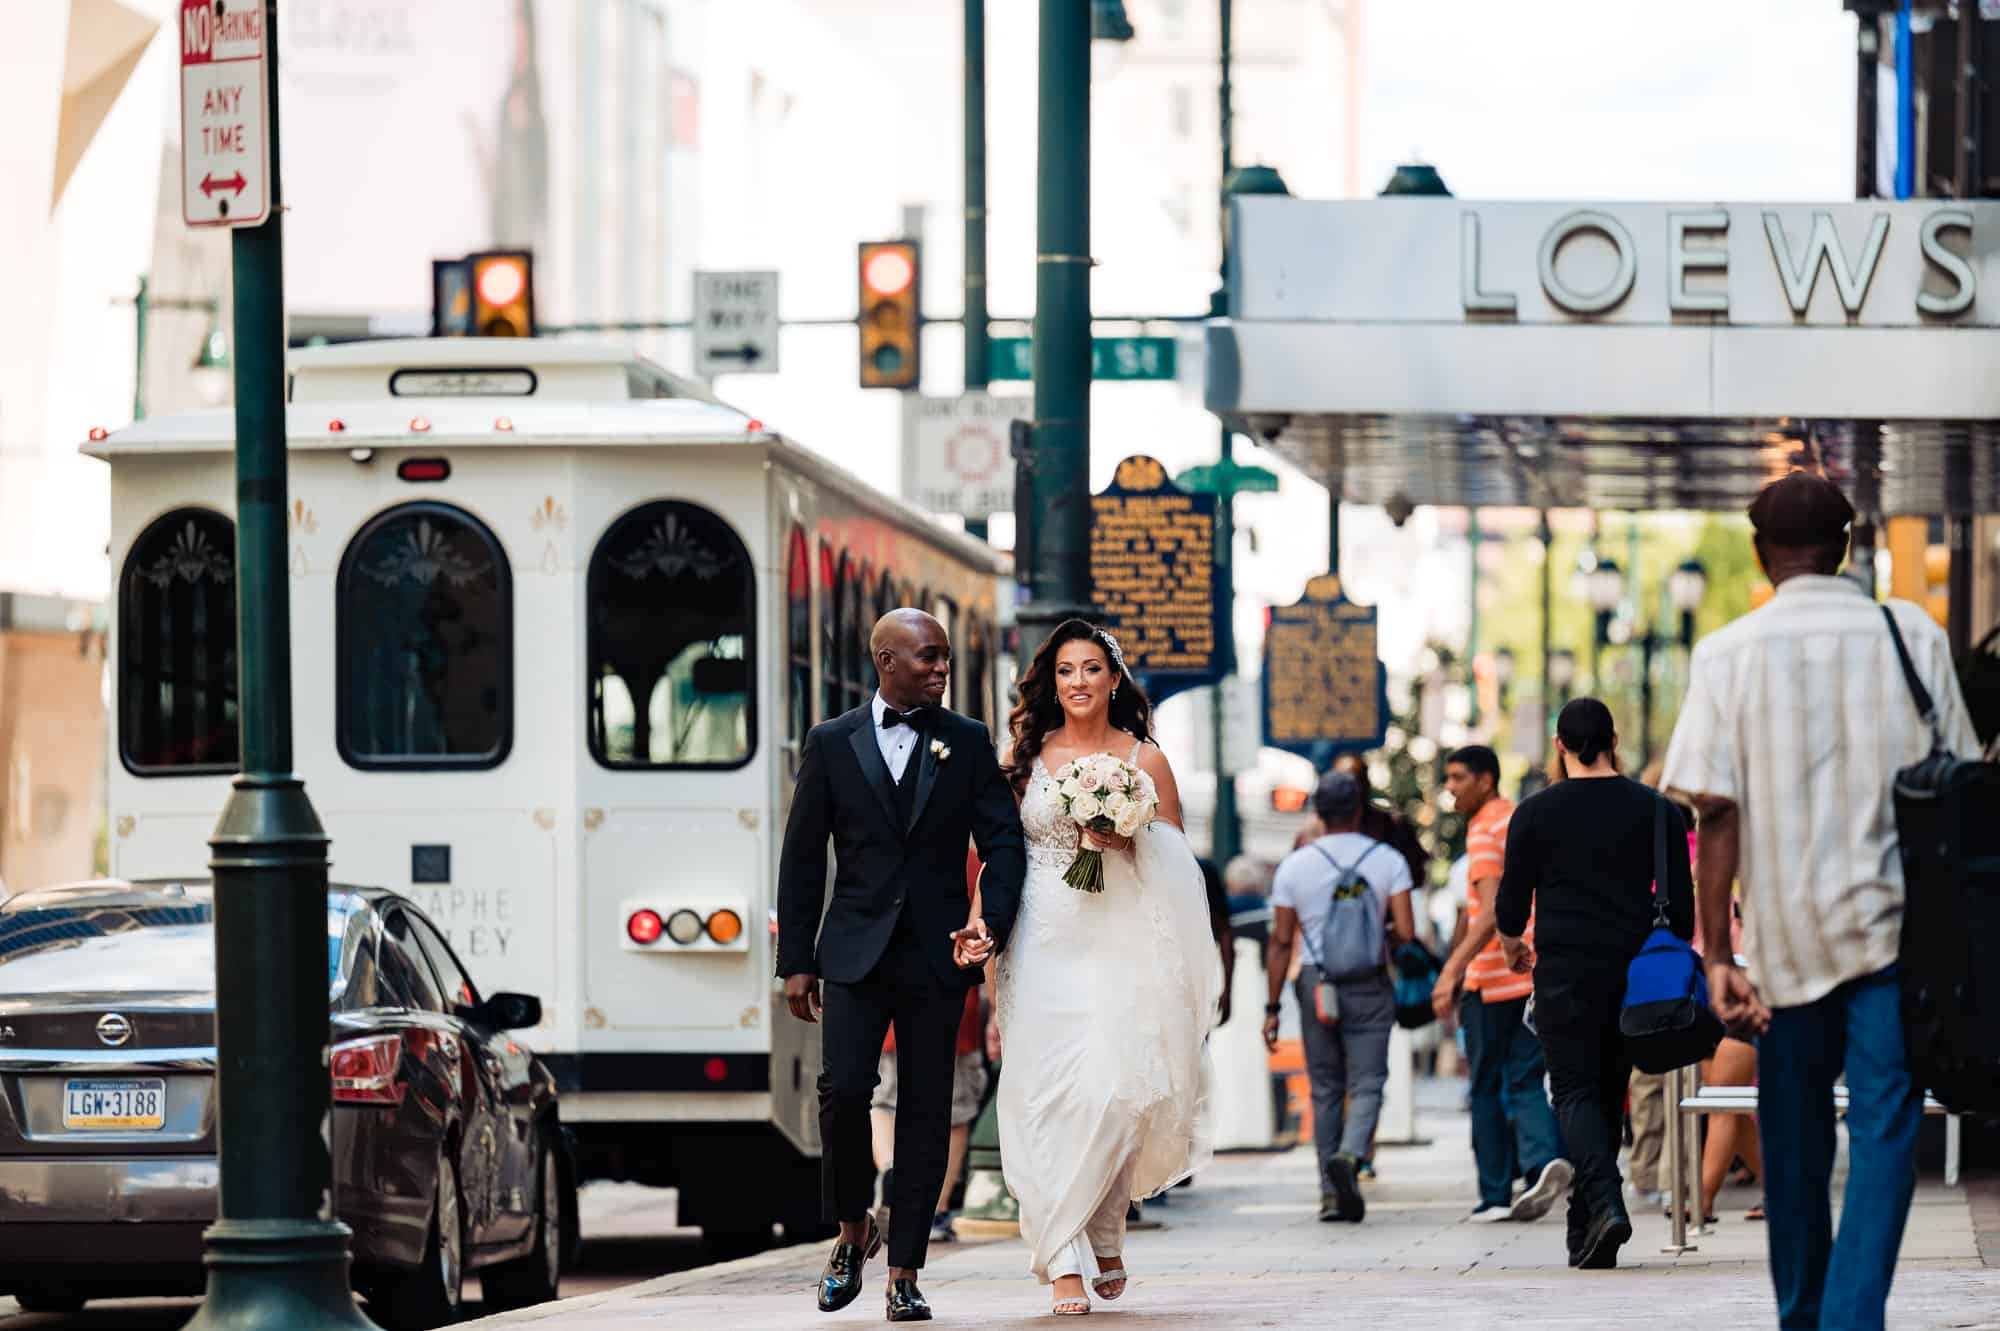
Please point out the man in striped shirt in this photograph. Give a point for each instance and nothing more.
(1511, 1117)
(1796, 720)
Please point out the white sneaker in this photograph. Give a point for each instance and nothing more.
(1550, 1188)
(1488, 1215)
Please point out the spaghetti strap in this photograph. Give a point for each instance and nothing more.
(1134, 759)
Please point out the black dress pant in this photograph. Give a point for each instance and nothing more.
(1576, 1014)
(904, 989)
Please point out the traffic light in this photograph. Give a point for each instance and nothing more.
(484, 295)
(891, 325)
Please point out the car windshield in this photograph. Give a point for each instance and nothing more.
(123, 946)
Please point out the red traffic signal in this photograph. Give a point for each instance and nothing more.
(891, 323)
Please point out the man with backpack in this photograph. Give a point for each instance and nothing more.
(1331, 897)
(1797, 718)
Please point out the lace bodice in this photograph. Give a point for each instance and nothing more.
(1052, 837)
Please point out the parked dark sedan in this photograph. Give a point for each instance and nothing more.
(447, 1153)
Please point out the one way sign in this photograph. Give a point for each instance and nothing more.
(735, 323)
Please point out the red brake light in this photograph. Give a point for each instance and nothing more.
(423, 469)
(364, 1071)
(644, 927)
(715, 1070)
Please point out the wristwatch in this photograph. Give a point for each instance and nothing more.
(1272, 1009)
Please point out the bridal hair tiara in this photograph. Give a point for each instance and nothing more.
(1111, 646)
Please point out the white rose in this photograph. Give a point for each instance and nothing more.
(1118, 780)
(1089, 779)
(1129, 820)
(1115, 802)
(1070, 789)
(1083, 808)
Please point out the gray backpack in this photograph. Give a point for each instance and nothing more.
(1351, 944)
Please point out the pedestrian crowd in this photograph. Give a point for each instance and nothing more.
(1738, 911)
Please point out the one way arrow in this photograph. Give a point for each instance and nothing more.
(209, 185)
(748, 353)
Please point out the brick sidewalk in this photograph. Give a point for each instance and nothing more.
(1242, 1248)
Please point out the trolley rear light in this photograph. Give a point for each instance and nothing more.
(725, 926)
(684, 927)
(644, 926)
(423, 469)
(364, 1071)
(716, 1070)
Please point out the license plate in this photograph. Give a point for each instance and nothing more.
(126, 1106)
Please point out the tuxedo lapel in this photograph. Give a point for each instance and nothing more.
(876, 772)
(927, 775)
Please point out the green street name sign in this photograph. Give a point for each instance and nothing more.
(1112, 358)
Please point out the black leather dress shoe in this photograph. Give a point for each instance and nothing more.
(906, 1302)
(840, 1282)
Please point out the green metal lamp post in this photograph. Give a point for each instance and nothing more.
(276, 1257)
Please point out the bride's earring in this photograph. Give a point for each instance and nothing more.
(1114, 693)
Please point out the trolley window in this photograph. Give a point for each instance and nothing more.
(177, 647)
(671, 641)
(832, 697)
(798, 637)
(424, 626)
(860, 625)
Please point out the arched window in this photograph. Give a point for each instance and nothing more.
(177, 647)
(885, 595)
(425, 636)
(860, 624)
(798, 637)
(671, 641)
(829, 634)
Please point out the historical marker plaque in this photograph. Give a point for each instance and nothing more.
(1324, 685)
(1152, 568)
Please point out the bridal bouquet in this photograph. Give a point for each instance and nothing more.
(1104, 794)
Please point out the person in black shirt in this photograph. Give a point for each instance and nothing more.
(1580, 854)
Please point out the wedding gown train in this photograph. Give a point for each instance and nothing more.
(1105, 1003)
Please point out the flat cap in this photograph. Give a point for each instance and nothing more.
(1801, 510)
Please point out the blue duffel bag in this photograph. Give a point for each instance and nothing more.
(1666, 1021)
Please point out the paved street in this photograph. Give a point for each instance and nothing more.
(632, 1237)
(1243, 1249)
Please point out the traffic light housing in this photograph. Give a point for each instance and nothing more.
(891, 323)
(490, 294)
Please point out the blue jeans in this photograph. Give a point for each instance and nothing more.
(1821, 1280)
(1512, 1123)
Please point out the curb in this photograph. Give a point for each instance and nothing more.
(667, 1284)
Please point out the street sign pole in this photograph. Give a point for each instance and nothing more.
(276, 1257)
(1060, 477)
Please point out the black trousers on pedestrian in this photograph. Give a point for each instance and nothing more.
(1576, 1014)
(904, 989)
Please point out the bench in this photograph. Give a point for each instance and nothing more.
(1743, 1100)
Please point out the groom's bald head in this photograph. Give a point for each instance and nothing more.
(912, 657)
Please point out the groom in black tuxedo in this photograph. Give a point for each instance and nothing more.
(899, 783)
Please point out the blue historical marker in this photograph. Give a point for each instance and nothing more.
(1153, 578)
(1326, 691)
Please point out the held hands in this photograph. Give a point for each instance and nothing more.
(972, 945)
(1444, 994)
(1520, 957)
(1735, 1000)
(802, 996)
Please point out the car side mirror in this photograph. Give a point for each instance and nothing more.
(509, 1012)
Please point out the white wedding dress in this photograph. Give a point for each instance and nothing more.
(1105, 1004)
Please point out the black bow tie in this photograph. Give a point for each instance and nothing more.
(917, 718)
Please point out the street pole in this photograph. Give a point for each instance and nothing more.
(140, 308)
(1060, 481)
(977, 351)
(1472, 615)
(276, 1257)
(1547, 538)
(1226, 832)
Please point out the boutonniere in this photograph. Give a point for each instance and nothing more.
(940, 750)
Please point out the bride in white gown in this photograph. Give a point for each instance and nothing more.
(1105, 999)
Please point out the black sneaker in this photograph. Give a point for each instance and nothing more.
(1607, 1233)
(1329, 1207)
(1341, 1173)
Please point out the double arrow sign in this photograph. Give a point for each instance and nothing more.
(209, 184)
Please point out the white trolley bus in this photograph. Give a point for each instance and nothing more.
(560, 622)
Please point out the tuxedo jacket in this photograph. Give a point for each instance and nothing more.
(884, 865)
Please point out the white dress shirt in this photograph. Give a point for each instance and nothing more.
(896, 742)
(1799, 714)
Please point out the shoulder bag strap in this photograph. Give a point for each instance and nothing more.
(1926, 707)
(1661, 883)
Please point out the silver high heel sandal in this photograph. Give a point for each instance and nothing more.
(1100, 1285)
(1070, 1306)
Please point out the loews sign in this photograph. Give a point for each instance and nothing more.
(1408, 260)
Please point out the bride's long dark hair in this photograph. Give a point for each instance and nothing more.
(1039, 710)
